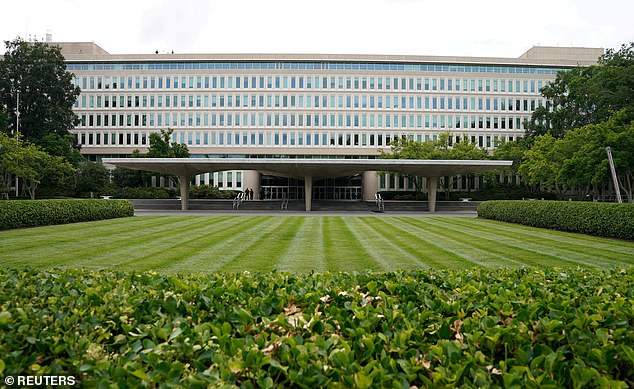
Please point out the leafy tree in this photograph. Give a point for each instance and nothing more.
(512, 151)
(91, 177)
(586, 95)
(38, 72)
(586, 165)
(4, 120)
(404, 148)
(542, 164)
(34, 165)
(128, 178)
(8, 160)
(162, 147)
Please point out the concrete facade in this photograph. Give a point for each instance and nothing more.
(304, 105)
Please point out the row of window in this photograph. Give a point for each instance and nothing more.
(303, 120)
(275, 65)
(309, 82)
(309, 102)
(223, 180)
(233, 180)
(268, 138)
(460, 183)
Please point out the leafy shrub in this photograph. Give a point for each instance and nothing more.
(31, 213)
(495, 193)
(210, 192)
(502, 193)
(139, 193)
(476, 328)
(602, 219)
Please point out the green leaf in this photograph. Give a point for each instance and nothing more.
(140, 374)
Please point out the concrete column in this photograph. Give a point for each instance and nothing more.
(432, 187)
(251, 180)
(308, 192)
(184, 190)
(370, 185)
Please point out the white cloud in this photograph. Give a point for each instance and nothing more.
(425, 27)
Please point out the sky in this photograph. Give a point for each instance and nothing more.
(479, 28)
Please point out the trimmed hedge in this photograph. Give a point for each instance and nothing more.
(32, 213)
(138, 193)
(524, 328)
(610, 220)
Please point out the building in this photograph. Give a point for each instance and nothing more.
(305, 106)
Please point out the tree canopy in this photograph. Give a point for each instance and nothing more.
(405, 148)
(36, 70)
(161, 146)
(587, 95)
(31, 164)
(442, 148)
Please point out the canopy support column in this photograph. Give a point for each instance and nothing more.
(184, 191)
(432, 187)
(370, 184)
(308, 192)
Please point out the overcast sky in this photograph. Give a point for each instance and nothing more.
(419, 27)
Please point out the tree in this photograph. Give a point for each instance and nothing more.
(586, 166)
(91, 177)
(46, 96)
(162, 147)
(512, 151)
(586, 95)
(404, 148)
(543, 162)
(8, 159)
(33, 165)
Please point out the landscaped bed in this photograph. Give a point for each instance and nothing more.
(508, 328)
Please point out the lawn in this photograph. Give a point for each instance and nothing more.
(192, 244)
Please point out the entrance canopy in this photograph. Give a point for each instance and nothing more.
(300, 168)
(307, 169)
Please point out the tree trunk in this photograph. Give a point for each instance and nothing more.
(30, 188)
(628, 182)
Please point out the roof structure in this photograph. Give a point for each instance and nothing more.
(300, 168)
(307, 169)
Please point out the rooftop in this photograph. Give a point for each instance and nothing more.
(537, 55)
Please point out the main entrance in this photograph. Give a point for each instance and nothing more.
(311, 170)
(340, 188)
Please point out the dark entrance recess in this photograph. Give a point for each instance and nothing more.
(340, 188)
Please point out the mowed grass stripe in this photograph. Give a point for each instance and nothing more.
(36, 237)
(142, 250)
(574, 253)
(263, 253)
(86, 246)
(343, 251)
(462, 249)
(613, 245)
(481, 242)
(181, 244)
(227, 247)
(546, 246)
(203, 251)
(433, 252)
(306, 251)
(382, 248)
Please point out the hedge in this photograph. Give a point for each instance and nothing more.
(610, 220)
(524, 328)
(32, 213)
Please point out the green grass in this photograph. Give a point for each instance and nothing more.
(193, 244)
